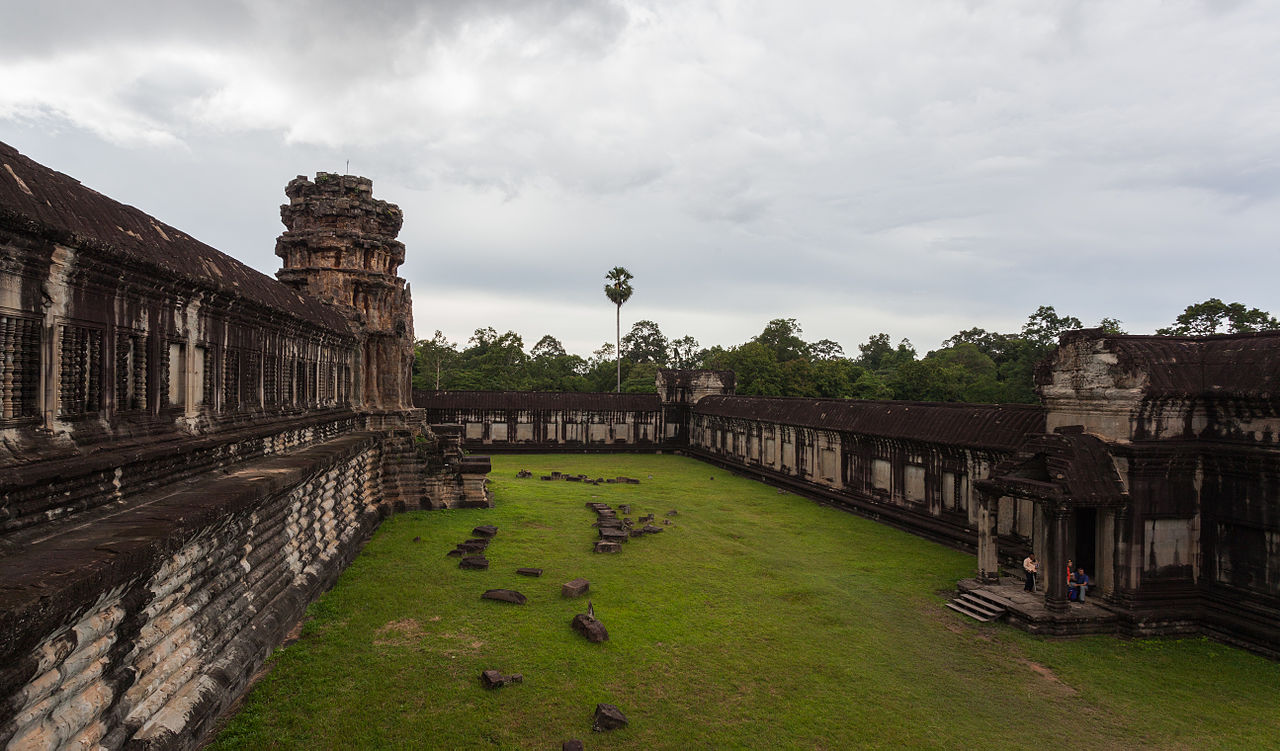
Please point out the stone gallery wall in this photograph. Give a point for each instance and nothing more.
(140, 628)
(541, 421)
(1193, 424)
(190, 451)
(513, 421)
(910, 464)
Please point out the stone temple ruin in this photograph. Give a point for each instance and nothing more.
(191, 452)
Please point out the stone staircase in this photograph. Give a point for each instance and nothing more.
(979, 606)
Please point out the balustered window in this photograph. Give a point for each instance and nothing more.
(271, 380)
(301, 383)
(231, 379)
(252, 374)
(131, 371)
(19, 368)
(205, 363)
(80, 375)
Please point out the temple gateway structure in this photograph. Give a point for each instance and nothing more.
(191, 452)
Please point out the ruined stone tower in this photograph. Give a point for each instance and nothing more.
(340, 247)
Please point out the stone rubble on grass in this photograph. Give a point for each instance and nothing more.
(494, 679)
(485, 530)
(608, 717)
(505, 595)
(571, 745)
(576, 588)
(608, 547)
(529, 571)
(590, 627)
(474, 563)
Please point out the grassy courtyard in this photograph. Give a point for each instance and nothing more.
(756, 620)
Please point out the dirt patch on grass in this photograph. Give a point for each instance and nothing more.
(461, 643)
(402, 633)
(1051, 677)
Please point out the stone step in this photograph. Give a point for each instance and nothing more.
(978, 609)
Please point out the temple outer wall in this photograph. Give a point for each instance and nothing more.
(916, 485)
(173, 605)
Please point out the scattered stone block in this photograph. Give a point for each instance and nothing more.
(666, 521)
(524, 474)
(417, 539)
(651, 529)
(455, 553)
(485, 530)
(590, 627)
(494, 679)
(545, 477)
(573, 478)
(505, 595)
(576, 588)
(529, 571)
(625, 508)
(608, 717)
(571, 745)
(614, 535)
(637, 532)
(604, 546)
(672, 512)
(474, 562)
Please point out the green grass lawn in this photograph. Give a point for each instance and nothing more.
(756, 620)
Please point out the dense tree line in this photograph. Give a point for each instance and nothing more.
(974, 365)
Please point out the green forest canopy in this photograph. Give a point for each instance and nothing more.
(974, 365)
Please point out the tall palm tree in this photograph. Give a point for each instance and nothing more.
(618, 291)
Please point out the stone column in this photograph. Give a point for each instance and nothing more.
(988, 566)
(1055, 568)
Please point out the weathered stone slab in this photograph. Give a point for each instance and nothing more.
(474, 562)
(571, 745)
(493, 679)
(672, 512)
(529, 571)
(576, 588)
(590, 627)
(651, 529)
(505, 595)
(637, 532)
(614, 535)
(608, 717)
(455, 553)
(485, 530)
(604, 546)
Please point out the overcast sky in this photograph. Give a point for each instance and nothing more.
(909, 167)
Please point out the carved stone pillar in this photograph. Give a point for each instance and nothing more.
(1055, 569)
(988, 517)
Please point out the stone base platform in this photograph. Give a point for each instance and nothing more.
(1027, 610)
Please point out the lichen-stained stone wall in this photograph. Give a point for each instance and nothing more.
(542, 421)
(1194, 424)
(190, 451)
(194, 589)
(910, 464)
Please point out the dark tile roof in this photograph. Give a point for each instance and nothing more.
(535, 400)
(995, 426)
(37, 200)
(1069, 466)
(1227, 364)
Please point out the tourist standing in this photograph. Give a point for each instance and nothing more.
(1029, 566)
